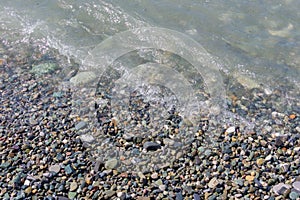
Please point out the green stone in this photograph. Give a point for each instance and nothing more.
(72, 195)
(44, 68)
(294, 195)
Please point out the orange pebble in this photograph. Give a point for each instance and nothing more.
(292, 116)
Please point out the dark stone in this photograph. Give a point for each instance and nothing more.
(151, 146)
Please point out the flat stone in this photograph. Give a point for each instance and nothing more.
(111, 164)
(260, 161)
(280, 188)
(109, 193)
(69, 170)
(87, 138)
(296, 185)
(73, 186)
(154, 175)
(44, 68)
(162, 187)
(72, 195)
(196, 196)
(97, 166)
(250, 178)
(151, 146)
(294, 195)
(80, 125)
(28, 190)
(179, 196)
(230, 129)
(213, 182)
(83, 78)
(168, 142)
(54, 168)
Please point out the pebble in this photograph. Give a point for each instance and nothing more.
(80, 125)
(294, 195)
(87, 138)
(296, 185)
(260, 161)
(196, 196)
(73, 186)
(230, 130)
(151, 146)
(83, 78)
(250, 178)
(154, 175)
(68, 169)
(213, 182)
(179, 196)
(280, 188)
(54, 168)
(72, 195)
(111, 164)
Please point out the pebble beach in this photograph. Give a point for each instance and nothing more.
(46, 153)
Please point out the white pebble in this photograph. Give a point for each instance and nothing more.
(231, 129)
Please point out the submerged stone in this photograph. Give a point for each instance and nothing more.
(44, 68)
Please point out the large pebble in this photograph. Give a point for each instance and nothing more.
(213, 182)
(87, 138)
(54, 168)
(296, 185)
(111, 164)
(151, 146)
(83, 78)
(80, 125)
(280, 188)
(73, 186)
(230, 129)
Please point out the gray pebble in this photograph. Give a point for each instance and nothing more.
(80, 125)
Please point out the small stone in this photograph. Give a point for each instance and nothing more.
(230, 130)
(154, 176)
(260, 161)
(27, 182)
(141, 175)
(80, 125)
(44, 68)
(111, 164)
(179, 196)
(83, 78)
(97, 166)
(213, 182)
(69, 170)
(73, 186)
(72, 195)
(162, 187)
(28, 190)
(109, 193)
(269, 157)
(280, 188)
(168, 141)
(296, 185)
(292, 116)
(207, 152)
(54, 168)
(151, 146)
(87, 138)
(250, 178)
(294, 195)
(196, 196)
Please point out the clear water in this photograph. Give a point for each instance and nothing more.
(256, 41)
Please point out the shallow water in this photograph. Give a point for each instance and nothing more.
(256, 43)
